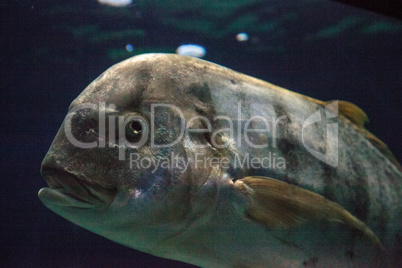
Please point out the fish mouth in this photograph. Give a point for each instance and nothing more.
(68, 190)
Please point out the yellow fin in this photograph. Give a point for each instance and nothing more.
(352, 112)
(279, 204)
(358, 117)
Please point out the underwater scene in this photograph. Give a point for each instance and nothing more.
(142, 134)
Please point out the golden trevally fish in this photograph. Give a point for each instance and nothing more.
(187, 160)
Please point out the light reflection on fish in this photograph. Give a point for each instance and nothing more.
(302, 210)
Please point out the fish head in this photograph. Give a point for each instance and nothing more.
(119, 164)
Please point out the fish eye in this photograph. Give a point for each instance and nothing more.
(135, 129)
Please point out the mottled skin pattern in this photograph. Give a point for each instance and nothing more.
(195, 215)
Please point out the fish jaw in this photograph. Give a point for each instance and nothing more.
(68, 190)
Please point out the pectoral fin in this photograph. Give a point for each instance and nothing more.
(279, 204)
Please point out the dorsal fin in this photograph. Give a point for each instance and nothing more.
(359, 118)
(348, 110)
(353, 113)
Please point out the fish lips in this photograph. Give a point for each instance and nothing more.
(68, 190)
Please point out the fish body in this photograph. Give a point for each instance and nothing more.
(220, 169)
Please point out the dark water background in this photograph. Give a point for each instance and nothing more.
(51, 50)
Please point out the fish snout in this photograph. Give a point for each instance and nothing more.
(65, 174)
(62, 183)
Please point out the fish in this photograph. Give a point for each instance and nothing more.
(188, 160)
